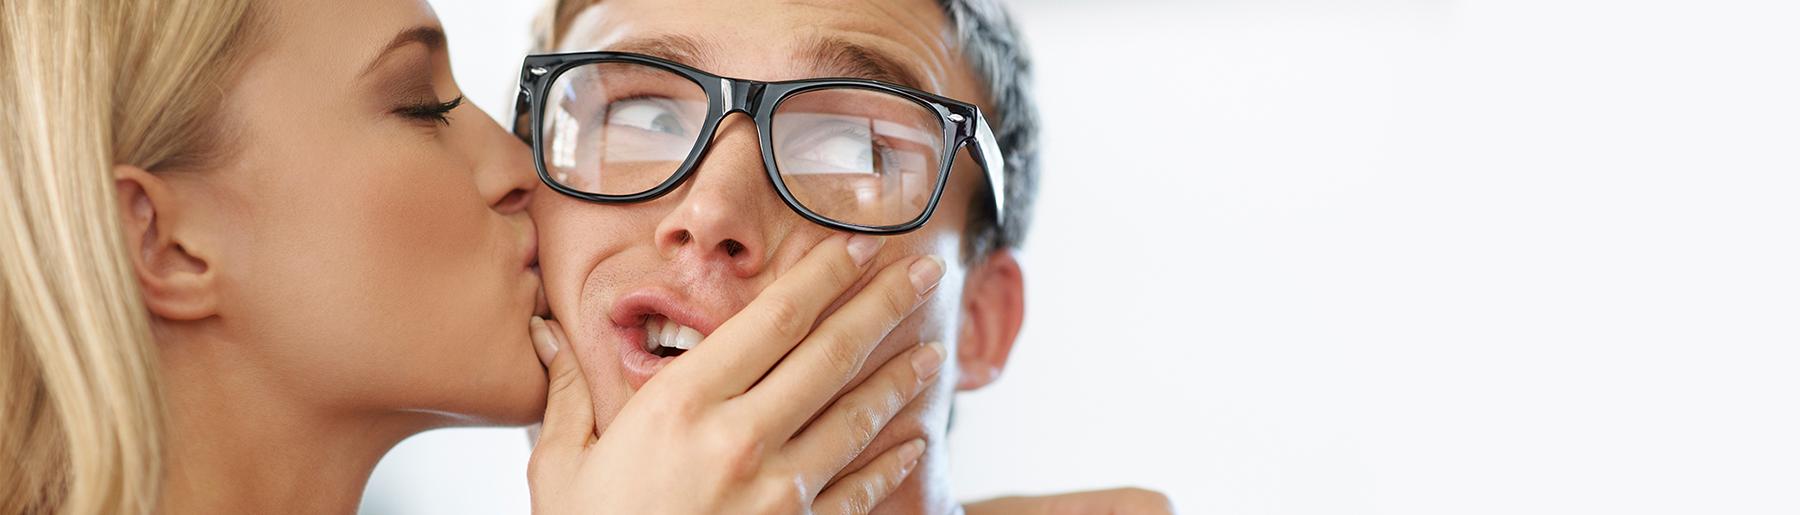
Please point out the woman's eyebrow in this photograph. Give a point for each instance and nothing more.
(430, 36)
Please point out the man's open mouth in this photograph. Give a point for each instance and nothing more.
(665, 338)
(655, 326)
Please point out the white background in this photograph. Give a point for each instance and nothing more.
(1367, 256)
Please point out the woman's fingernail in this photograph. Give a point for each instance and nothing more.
(543, 341)
(862, 248)
(925, 274)
(910, 453)
(928, 359)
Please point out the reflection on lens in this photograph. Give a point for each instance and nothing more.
(858, 156)
(620, 128)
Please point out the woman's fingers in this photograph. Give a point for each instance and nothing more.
(745, 347)
(835, 352)
(846, 428)
(569, 411)
(859, 492)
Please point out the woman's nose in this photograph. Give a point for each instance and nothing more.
(505, 174)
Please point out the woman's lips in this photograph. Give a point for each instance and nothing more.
(531, 250)
(540, 302)
(541, 306)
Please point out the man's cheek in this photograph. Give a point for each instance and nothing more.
(605, 385)
(560, 261)
(911, 332)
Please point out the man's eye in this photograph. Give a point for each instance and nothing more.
(843, 153)
(653, 115)
(834, 148)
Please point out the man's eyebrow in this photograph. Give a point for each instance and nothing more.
(827, 56)
(430, 36)
(674, 47)
(842, 58)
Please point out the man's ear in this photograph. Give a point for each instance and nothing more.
(993, 310)
(175, 278)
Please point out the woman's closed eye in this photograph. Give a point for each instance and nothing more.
(433, 112)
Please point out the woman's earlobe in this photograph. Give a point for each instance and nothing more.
(177, 284)
(993, 312)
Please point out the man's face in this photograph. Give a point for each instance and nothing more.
(697, 256)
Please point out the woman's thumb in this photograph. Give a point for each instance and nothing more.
(569, 411)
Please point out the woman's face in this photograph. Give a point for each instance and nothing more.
(378, 256)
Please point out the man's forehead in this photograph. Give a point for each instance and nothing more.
(901, 41)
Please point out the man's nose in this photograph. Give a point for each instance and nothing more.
(724, 217)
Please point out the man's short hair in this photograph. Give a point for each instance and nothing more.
(991, 45)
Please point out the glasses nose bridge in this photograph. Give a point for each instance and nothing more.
(739, 96)
(736, 96)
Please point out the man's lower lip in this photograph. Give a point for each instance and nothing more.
(637, 364)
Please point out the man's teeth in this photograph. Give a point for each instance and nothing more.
(662, 333)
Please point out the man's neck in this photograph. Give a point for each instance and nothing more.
(236, 444)
(927, 490)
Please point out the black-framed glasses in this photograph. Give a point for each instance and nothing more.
(851, 154)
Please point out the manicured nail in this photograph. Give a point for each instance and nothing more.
(910, 453)
(862, 248)
(925, 274)
(543, 341)
(928, 359)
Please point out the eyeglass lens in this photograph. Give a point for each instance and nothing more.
(859, 156)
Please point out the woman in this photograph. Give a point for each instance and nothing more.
(248, 246)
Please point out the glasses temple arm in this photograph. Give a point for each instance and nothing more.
(987, 151)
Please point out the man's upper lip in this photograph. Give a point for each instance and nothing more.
(630, 309)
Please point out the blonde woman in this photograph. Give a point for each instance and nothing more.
(247, 246)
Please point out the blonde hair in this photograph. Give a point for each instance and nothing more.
(84, 86)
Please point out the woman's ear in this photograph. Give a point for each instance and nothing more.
(175, 278)
(993, 310)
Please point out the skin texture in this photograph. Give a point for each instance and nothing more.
(729, 415)
(347, 277)
(681, 246)
(1118, 501)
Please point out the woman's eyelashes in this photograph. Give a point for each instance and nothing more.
(432, 112)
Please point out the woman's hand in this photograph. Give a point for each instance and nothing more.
(1118, 501)
(723, 428)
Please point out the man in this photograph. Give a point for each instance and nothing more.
(669, 222)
